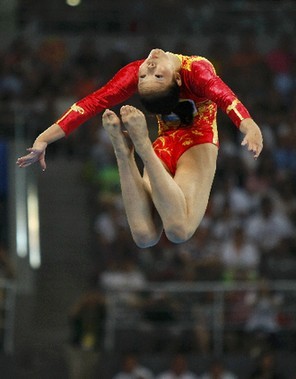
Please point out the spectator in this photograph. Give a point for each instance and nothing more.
(263, 322)
(127, 280)
(267, 227)
(217, 370)
(103, 164)
(248, 67)
(202, 312)
(87, 317)
(267, 368)
(87, 322)
(230, 203)
(199, 257)
(178, 370)
(160, 320)
(109, 221)
(224, 223)
(124, 276)
(131, 369)
(86, 58)
(161, 263)
(286, 190)
(281, 61)
(285, 153)
(240, 257)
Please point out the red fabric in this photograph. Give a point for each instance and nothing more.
(200, 84)
(172, 144)
(122, 86)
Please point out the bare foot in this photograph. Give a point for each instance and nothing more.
(111, 124)
(135, 123)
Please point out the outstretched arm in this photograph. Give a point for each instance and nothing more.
(37, 151)
(122, 86)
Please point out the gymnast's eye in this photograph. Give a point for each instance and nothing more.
(159, 76)
(142, 76)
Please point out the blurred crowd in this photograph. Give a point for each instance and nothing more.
(248, 232)
(182, 368)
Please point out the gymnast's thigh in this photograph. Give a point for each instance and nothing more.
(195, 172)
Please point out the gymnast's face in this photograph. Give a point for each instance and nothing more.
(156, 73)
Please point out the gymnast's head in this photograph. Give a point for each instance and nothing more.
(159, 86)
(159, 83)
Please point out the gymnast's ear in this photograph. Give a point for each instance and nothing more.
(178, 79)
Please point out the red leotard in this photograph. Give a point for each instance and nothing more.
(200, 85)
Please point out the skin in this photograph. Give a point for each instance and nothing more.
(157, 72)
(157, 201)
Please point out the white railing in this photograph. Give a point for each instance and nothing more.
(218, 307)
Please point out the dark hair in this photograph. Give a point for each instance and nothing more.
(184, 110)
(166, 102)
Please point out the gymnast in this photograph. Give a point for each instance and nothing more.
(184, 92)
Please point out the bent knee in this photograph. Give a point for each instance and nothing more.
(144, 239)
(179, 233)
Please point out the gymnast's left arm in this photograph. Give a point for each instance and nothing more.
(212, 87)
(252, 136)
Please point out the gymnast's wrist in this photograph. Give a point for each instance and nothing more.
(40, 144)
(247, 124)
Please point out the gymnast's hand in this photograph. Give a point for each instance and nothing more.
(253, 137)
(36, 154)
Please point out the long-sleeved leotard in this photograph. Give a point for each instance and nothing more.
(121, 87)
(200, 85)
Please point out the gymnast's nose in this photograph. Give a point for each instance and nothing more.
(150, 64)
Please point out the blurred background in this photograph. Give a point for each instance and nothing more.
(78, 300)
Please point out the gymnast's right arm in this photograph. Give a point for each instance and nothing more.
(37, 151)
(122, 86)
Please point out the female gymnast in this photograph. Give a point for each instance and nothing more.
(179, 166)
